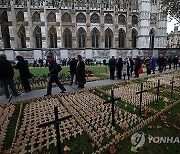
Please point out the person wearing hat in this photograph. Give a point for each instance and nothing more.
(6, 76)
(24, 72)
(54, 69)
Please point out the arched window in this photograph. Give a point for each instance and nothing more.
(66, 17)
(134, 38)
(22, 36)
(95, 38)
(95, 18)
(122, 38)
(81, 18)
(81, 38)
(53, 37)
(67, 35)
(5, 36)
(108, 38)
(20, 16)
(37, 37)
(36, 17)
(122, 19)
(134, 20)
(4, 17)
(108, 19)
(51, 17)
(152, 35)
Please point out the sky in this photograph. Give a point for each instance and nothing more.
(170, 26)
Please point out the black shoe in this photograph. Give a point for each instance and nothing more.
(47, 95)
(17, 94)
(81, 86)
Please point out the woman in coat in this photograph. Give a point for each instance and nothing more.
(80, 72)
(24, 72)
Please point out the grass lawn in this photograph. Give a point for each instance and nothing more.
(98, 71)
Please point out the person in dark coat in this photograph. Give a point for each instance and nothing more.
(72, 65)
(161, 62)
(165, 62)
(131, 65)
(138, 65)
(54, 69)
(112, 66)
(175, 62)
(80, 72)
(153, 64)
(119, 66)
(6, 76)
(170, 62)
(24, 72)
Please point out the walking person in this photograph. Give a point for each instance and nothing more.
(6, 76)
(112, 66)
(165, 62)
(126, 68)
(24, 72)
(54, 69)
(72, 65)
(175, 62)
(170, 62)
(80, 72)
(148, 65)
(131, 65)
(161, 62)
(138, 65)
(119, 66)
(153, 64)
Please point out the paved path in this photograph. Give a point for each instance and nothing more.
(56, 90)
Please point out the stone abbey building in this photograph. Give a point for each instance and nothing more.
(82, 24)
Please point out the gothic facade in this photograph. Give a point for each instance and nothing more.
(82, 24)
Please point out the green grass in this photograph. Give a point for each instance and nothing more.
(121, 104)
(100, 94)
(11, 128)
(158, 106)
(97, 71)
(78, 145)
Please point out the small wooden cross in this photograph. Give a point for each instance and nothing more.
(158, 86)
(56, 122)
(112, 100)
(172, 87)
(141, 92)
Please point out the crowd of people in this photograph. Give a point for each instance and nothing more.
(77, 69)
(124, 68)
(128, 67)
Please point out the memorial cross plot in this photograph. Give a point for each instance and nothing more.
(141, 92)
(158, 86)
(56, 122)
(112, 100)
